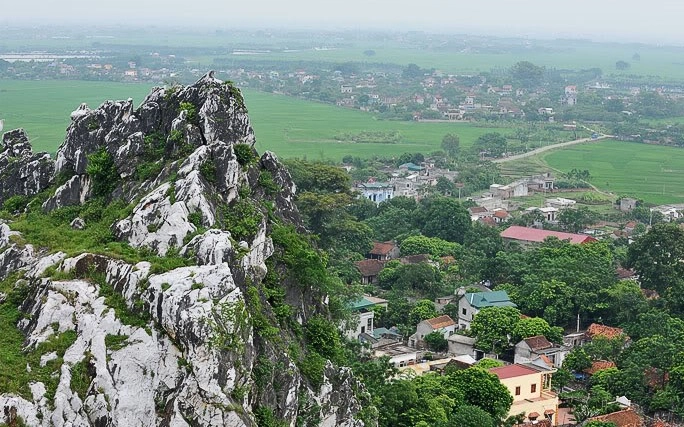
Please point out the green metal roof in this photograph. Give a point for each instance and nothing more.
(361, 303)
(489, 299)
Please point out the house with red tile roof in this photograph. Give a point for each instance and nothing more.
(527, 235)
(532, 348)
(384, 251)
(369, 269)
(444, 324)
(599, 365)
(625, 418)
(530, 387)
(598, 330)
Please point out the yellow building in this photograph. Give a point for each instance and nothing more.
(530, 387)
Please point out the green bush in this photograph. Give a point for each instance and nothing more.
(15, 203)
(208, 171)
(245, 154)
(191, 111)
(103, 173)
(313, 368)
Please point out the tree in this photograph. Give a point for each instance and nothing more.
(561, 378)
(470, 416)
(488, 363)
(391, 222)
(656, 257)
(549, 299)
(436, 342)
(483, 389)
(621, 65)
(443, 217)
(492, 143)
(576, 220)
(533, 326)
(318, 177)
(492, 326)
(527, 74)
(445, 186)
(423, 310)
(451, 144)
(577, 360)
(434, 246)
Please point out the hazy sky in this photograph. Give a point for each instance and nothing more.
(654, 21)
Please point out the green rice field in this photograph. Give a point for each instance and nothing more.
(290, 127)
(650, 172)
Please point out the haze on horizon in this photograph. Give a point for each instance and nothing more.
(655, 22)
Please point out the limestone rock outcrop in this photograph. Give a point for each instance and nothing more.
(183, 312)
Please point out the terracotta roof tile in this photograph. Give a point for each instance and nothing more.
(599, 365)
(538, 342)
(604, 331)
(440, 322)
(382, 248)
(370, 267)
(488, 220)
(501, 214)
(624, 418)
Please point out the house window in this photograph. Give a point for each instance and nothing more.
(517, 391)
(464, 311)
(533, 388)
(369, 323)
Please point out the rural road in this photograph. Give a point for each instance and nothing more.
(549, 147)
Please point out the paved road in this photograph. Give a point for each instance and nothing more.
(549, 147)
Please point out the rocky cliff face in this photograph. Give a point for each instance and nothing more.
(172, 305)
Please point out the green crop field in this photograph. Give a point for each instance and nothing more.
(650, 172)
(289, 127)
(42, 108)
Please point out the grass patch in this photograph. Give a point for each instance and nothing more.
(115, 342)
(13, 359)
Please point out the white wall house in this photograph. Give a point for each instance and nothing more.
(377, 192)
(471, 303)
(442, 324)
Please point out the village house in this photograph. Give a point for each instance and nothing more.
(399, 354)
(530, 236)
(462, 345)
(549, 213)
(377, 192)
(609, 332)
(439, 365)
(384, 251)
(530, 387)
(627, 204)
(599, 365)
(369, 269)
(471, 303)
(477, 212)
(500, 216)
(363, 310)
(537, 347)
(625, 418)
(445, 325)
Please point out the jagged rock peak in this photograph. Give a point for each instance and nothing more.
(22, 173)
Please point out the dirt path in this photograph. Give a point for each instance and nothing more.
(550, 147)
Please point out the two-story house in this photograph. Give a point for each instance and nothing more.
(536, 347)
(471, 303)
(364, 315)
(384, 251)
(442, 324)
(530, 386)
